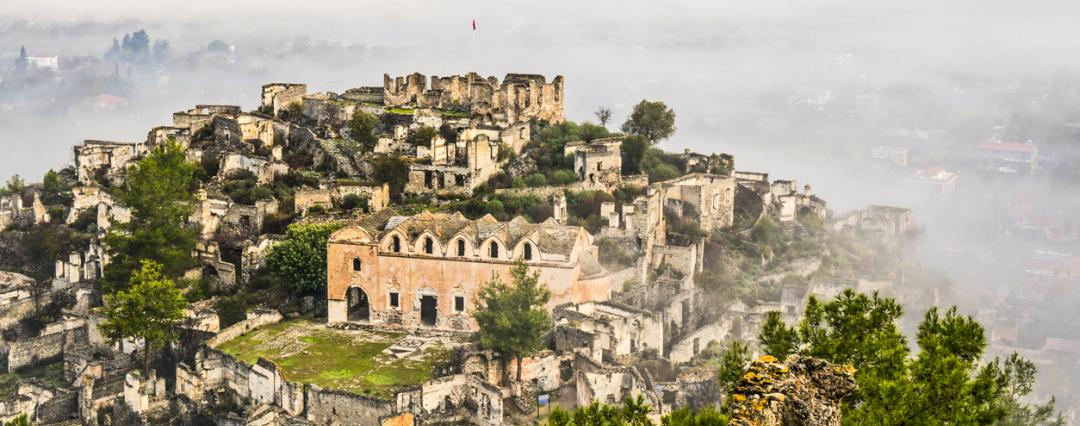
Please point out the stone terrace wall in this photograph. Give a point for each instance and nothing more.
(254, 320)
(27, 352)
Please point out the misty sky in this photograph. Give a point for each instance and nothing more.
(724, 66)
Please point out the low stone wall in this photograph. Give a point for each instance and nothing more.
(27, 352)
(254, 320)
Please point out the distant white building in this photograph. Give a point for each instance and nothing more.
(48, 63)
(935, 181)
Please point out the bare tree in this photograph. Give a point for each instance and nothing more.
(604, 115)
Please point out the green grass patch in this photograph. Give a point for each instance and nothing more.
(400, 111)
(346, 360)
(52, 373)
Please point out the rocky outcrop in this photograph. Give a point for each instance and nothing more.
(798, 391)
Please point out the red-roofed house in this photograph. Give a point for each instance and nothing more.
(1008, 157)
(935, 180)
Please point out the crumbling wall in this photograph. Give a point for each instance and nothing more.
(798, 391)
(105, 160)
(278, 96)
(29, 352)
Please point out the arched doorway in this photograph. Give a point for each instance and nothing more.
(358, 304)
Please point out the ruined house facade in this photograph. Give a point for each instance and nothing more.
(278, 96)
(711, 196)
(428, 269)
(517, 98)
(598, 163)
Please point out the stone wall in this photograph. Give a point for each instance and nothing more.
(518, 98)
(255, 319)
(278, 96)
(29, 352)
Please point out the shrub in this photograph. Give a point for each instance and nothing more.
(536, 180)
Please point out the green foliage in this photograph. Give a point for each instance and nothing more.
(517, 182)
(776, 338)
(504, 207)
(661, 166)
(230, 310)
(52, 187)
(686, 417)
(158, 190)
(242, 187)
(391, 169)
(632, 411)
(15, 185)
(20, 420)
(300, 260)
(942, 384)
(563, 177)
(423, 136)
(548, 144)
(633, 152)
(512, 318)
(733, 364)
(362, 129)
(653, 120)
(536, 180)
(354, 201)
(150, 309)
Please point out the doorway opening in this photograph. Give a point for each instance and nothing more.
(428, 309)
(358, 304)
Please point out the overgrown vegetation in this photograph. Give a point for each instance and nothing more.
(944, 382)
(158, 190)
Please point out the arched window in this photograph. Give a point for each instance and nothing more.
(493, 250)
(396, 244)
(527, 252)
(429, 245)
(461, 247)
(357, 264)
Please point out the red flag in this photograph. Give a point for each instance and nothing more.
(474, 25)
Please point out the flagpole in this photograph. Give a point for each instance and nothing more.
(469, 91)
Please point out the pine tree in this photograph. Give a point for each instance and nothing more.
(22, 62)
(512, 318)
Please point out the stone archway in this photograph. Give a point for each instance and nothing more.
(359, 308)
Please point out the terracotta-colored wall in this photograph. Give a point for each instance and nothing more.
(446, 277)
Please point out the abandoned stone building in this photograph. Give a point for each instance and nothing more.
(104, 161)
(16, 208)
(331, 194)
(606, 331)
(598, 163)
(756, 196)
(710, 197)
(427, 269)
(278, 96)
(518, 98)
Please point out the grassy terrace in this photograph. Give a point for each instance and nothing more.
(348, 360)
(52, 373)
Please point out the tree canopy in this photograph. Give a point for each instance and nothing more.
(301, 258)
(158, 190)
(943, 384)
(149, 309)
(362, 129)
(512, 318)
(653, 120)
